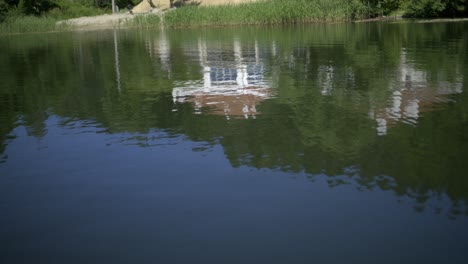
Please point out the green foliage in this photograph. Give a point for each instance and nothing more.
(455, 8)
(380, 7)
(3, 10)
(70, 9)
(36, 7)
(425, 8)
(436, 8)
(57, 9)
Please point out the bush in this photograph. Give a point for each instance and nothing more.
(70, 9)
(436, 8)
(424, 8)
(3, 10)
(456, 8)
(380, 7)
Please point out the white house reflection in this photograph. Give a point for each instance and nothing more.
(413, 93)
(232, 82)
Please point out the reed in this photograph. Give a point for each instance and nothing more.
(264, 12)
(26, 24)
(144, 21)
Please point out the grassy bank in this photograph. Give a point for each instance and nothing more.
(43, 15)
(25, 24)
(266, 12)
(263, 12)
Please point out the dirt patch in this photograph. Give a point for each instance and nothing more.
(97, 22)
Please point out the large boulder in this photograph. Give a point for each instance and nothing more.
(144, 7)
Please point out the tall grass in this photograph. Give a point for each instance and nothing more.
(26, 24)
(265, 12)
(144, 21)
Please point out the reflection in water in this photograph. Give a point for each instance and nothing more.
(335, 101)
(117, 66)
(161, 50)
(232, 85)
(412, 94)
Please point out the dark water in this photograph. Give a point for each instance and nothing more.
(307, 144)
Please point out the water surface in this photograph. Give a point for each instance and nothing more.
(320, 143)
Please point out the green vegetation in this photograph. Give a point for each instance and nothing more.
(267, 12)
(307, 11)
(435, 8)
(30, 24)
(22, 15)
(144, 21)
(42, 15)
(57, 9)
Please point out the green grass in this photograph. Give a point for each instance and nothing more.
(25, 24)
(144, 21)
(264, 12)
(17, 22)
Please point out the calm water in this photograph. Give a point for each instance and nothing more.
(307, 144)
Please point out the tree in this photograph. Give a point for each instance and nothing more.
(36, 7)
(455, 8)
(424, 8)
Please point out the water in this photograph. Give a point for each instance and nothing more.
(319, 143)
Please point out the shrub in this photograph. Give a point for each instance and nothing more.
(424, 8)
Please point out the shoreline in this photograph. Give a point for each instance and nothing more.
(208, 16)
(124, 20)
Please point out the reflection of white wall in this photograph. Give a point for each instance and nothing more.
(381, 126)
(242, 74)
(325, 79)
(239, 74)
(160, 48)
(395, 111)
(409, 74)
(411, 89)
(236, 85)
(117, 64)
(411, 109)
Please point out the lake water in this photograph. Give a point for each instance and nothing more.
(343, 143)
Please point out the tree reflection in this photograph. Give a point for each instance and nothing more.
(374, 105)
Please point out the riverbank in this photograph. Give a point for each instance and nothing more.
(209, 13)
(206, 13)
(219, 13)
